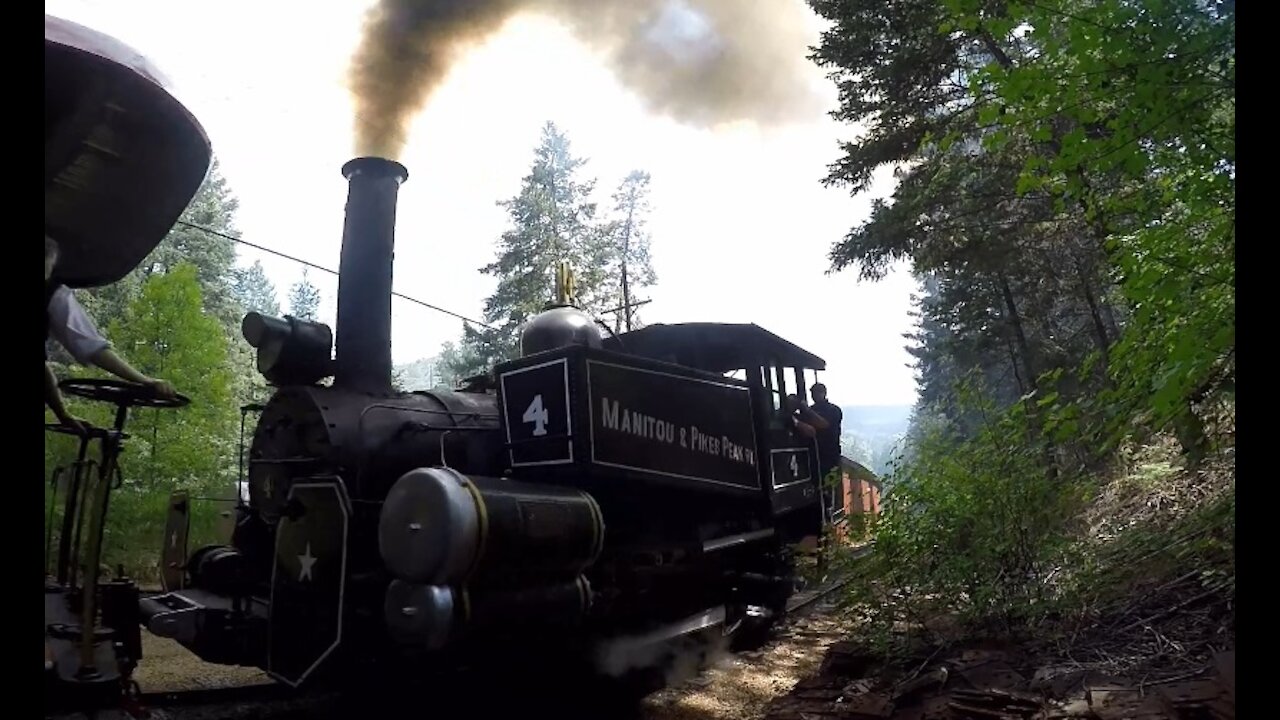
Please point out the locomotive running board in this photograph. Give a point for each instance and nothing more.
(729, 541)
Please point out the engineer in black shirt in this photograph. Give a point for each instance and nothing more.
(828, 437)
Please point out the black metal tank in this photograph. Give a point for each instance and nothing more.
(368, 440)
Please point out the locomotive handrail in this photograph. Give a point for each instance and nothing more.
(444, 460)
(74, 505)
(364, 451)
(424, 428)
(284, 461)
(76, 517)
(53, 503)
(207, 498)
(427, 411)
(240, 477)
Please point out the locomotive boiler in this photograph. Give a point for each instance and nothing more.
(597, 492)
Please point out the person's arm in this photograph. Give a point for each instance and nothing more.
(108, 360)
(53, 398)
(812, 418)
(805, 429)
(75, 331)
(787, 418)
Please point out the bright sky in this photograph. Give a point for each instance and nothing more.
(741, 224)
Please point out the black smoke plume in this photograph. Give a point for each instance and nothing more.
(702, 62)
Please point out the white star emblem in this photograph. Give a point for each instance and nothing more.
(307, 562)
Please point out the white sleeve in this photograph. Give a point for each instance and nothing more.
(71, 326)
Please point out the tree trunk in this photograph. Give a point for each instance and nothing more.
(1189, 429)
(1024, 349)
(626, 246)
(1013, 361)
(1099, 327)
(1019, 334)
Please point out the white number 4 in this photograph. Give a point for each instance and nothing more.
(537, 415)
(795, 467)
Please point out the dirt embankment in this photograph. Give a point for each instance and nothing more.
(1148, 635)
(986, 681)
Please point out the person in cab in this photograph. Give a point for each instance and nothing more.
(68, 324)
(798, 419)
(828, 436)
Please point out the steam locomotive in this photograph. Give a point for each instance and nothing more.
(612, 495)
(607, 493)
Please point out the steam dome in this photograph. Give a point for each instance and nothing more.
(558, 327)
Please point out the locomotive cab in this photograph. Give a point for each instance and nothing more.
(774, 369)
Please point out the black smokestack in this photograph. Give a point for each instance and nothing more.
(363, 343)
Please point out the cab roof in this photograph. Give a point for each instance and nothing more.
(714, 347)
(123, 157)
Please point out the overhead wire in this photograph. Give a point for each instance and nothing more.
(322, 268)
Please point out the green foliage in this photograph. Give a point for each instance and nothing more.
(444, 371)
(973, 526)
(177, 316)
(227, 292)
(1140, 98)
(1069, 196)
(168, 335)
(165, 332)
(1066, 195)
(456, 363)
(254, 292)
(136, 523)
(1198, 544)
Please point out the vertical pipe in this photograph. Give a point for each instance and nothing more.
(363, 342)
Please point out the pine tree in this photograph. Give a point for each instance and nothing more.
(304, 299)
(628, 267)
(254, 290)
(552, 220)
(213, 256)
